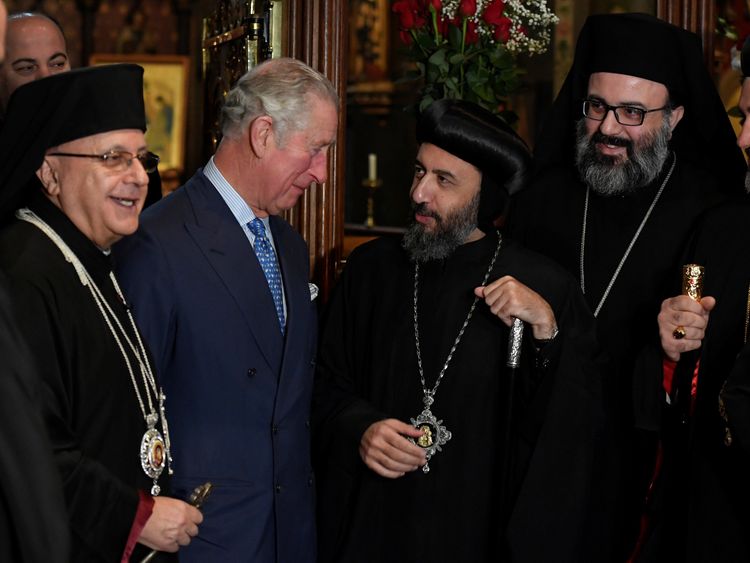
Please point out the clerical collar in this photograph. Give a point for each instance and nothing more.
(97, 262)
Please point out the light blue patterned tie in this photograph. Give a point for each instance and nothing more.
(267, 258)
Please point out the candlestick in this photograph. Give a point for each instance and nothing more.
(372, 167)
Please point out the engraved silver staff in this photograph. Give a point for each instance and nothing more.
(515, 339)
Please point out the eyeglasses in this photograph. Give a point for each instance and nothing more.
(119, 161)
(625, 115)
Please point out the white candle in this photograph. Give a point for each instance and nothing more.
(372, 167)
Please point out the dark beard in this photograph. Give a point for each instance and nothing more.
(450, 232)
(607, 175)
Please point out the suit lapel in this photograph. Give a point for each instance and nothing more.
(297, 294)
(227, 250)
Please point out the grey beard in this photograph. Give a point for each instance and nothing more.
(450, 233)
(607, 177)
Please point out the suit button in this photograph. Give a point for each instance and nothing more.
(278, 488)
(251, 372)
(275, 429)
(307, 424)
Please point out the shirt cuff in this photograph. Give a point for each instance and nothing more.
(142, 514)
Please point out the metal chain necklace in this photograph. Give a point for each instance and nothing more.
(630, 246)
(155, 451)
(434, 434)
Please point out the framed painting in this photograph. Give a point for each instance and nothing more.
(165, 94)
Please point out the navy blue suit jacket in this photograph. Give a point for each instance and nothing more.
(238, 391)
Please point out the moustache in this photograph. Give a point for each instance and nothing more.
(600, 138)
(421, 209)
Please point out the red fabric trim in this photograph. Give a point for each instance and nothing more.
(694, 387)
(668, 367)
(145, 508)
(645, 524)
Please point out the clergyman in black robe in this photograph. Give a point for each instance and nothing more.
(614, 202)
(700, 512)
(33, 521)
(701, 505)
(73, 166)
(380, 497)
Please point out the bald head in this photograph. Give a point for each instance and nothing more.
(34, 48)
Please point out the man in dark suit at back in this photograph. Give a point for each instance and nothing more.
(219, 286)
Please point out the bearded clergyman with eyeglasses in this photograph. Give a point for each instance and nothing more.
(636, 146)
(73, 179)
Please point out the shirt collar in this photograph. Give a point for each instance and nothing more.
(238, 206)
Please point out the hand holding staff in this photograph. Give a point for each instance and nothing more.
(683, 319)
(197, 498)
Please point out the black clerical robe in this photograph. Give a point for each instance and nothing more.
(701, 510)
(548, 218)
(33, 522)
(88, 401)
(368, 372)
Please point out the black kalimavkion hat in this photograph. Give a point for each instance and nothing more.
(59, 109)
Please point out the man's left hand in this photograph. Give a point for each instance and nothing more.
(507, 298)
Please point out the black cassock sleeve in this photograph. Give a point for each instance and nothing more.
(101, 508)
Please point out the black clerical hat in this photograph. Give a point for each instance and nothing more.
(639, 45)
(59, 109)
(478, 137)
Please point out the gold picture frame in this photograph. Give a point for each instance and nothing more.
(165, 94)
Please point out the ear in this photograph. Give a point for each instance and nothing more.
(261, 135)
(48, 177)
(676, 116)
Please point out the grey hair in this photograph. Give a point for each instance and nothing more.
(279, 88)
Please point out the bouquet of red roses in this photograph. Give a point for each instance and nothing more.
(467, 49)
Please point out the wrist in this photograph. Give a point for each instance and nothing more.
(543, 336)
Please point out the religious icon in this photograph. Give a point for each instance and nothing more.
(425, 440)
(152, 453)
(157, 454)
(434, 434)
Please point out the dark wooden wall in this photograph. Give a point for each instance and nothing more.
(318, 36)
(698, 16)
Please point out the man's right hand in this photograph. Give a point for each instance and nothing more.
(689, 314)
(386, 451)
(172, 523)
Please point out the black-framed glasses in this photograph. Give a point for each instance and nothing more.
(629, 116)
(119, 161)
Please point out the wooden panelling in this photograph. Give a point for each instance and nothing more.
(317, 35)
(698, 16)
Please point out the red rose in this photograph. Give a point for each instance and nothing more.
(411, 14)
(502, 29)
(405, 14)
(406, 37)
(442, 25)
(493, 12)
(467, 8)
(471, 33)
(437, 4)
